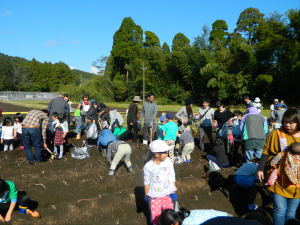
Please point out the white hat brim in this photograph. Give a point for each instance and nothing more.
(165, 149)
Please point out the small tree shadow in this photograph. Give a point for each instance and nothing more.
(141, 205)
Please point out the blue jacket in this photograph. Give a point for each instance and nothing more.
(105, 137)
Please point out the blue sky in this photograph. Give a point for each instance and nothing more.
(79, 32)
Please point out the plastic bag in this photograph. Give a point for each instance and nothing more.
(212, 166)
(92, 133)
(81, 153)
(178, 159)
(225, 131)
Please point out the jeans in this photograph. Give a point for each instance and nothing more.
(78, 127)
(34, 135)
(215, 160)
(208, 131)
(252, 152)
(284, 209)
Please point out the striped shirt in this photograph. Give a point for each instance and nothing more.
(113, 147)
(37, 118)
(186, 138)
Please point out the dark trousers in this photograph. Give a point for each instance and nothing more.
(22, 200)
(208, 131)
(146, 131)
(215, 160)
(19, 138)
(235, 152)
(128, 131)
(32, 135)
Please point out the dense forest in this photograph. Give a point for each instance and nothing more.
(260, 58)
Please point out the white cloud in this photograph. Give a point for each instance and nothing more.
(74, 41)
(94, 70)
(49, 43)
(6, 13)
(72, 68)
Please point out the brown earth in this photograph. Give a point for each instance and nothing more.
(57, 188)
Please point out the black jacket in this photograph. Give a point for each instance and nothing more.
(92, 114)
(223, 117)
(132, 113)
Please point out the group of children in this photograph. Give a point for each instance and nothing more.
(11, 132)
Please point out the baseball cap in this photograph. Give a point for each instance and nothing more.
(276, 100)
(279, 105)
(170, 115)
(159, 146)
(162, 118)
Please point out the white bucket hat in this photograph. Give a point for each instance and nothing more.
(257, 100)
(137, 99)
(159, 146)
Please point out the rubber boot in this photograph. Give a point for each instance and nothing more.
(111, 172)
(145, 142)
(61, 153)
(77, 136)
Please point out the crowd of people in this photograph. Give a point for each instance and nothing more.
(270, 147)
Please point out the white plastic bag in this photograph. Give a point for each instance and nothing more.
(81, 153)
(92, 133)
(212, 166)
(178, 159)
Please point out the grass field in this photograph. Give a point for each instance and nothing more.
(165, 108)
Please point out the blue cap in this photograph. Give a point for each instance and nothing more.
(279, 105)
(170, 115)
(162, 118)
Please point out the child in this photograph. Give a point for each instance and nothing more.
(294, 149)
(78, 122)
(246, 178)
(120, 148)
(104, 123)
(221, 159)
(170, 132)
(159, 179)
(18, 129)
(162, 123)
(7, 135)
(237, 135)
(272, 122)
(187, 139)
(61, 130)
(92, 114)
(9, 198)
(118, 130)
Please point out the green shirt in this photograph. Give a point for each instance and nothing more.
(171, 129)
(10, 193)
(119, 130)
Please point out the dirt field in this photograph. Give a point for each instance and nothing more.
(71, 191)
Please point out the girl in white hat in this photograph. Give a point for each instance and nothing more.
(159, 180)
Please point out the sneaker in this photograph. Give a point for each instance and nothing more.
(22, 148)
(252, 207)
(130, 169)
(111, 172)
(145, 142)
(187, 161)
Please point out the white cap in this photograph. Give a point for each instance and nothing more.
(159, 146)
(257, 100)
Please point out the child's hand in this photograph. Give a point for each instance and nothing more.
(1, 140)
(272, 165)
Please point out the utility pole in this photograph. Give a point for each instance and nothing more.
(143, 68)
(80, 80)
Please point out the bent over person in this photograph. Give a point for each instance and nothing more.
(35, 122)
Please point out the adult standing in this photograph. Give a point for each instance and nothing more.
(33, 125)
(149, 110)
(58, 105)
(248, 101)
(286, 195)
(254, 128)
(278, 115)
(206, 115)
(66, 98)
(222, 115)
(185, 112)
(273, 107)
(132, 120)
(84, 105)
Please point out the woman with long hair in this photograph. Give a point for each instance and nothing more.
(185, 113)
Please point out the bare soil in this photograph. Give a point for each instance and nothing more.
(70, 191)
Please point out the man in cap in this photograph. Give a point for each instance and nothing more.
(132, 120)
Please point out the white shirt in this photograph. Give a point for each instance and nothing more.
(64, 125)
(7, 132)
(18, 127)
(160, 177)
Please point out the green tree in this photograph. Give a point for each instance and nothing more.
(151, 40)
(60, 75)
(166, 48)
(248, 22)
(219, 32)
(179, 41)
(6, 71)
